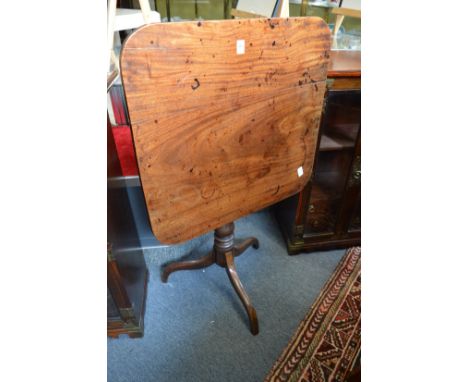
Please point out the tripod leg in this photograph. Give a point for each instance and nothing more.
(241, 247)
(236, 283)
(203, 262)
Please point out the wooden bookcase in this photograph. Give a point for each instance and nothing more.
(327, 213)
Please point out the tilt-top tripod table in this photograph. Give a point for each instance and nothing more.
(225, 118)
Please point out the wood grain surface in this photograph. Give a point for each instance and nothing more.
(219, 134)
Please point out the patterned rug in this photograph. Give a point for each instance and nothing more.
(328, 340)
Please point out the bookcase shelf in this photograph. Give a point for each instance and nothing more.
(331, 143)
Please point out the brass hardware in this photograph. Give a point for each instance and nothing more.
(311, 208)
(126, 313)
(130, 325)
(356, 172)
(299, 231)
(110, 256)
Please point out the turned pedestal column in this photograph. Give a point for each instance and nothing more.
(223, 253)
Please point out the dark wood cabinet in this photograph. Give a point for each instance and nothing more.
(327, 213)
(126, 292)
(126, 268)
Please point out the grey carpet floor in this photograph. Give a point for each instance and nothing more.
(195, 325)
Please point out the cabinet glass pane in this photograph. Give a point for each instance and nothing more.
(341, 121)
(112, 310)
(340, 131)
(328, 187)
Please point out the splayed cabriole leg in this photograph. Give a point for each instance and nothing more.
(203, 262)
(241, 247)
(223, 254)
(236, 283)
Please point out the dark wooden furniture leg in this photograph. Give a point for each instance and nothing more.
(236, 283)
(203, 262)
(223, 253)
(240, 248)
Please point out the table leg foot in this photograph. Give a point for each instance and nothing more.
(241, 247)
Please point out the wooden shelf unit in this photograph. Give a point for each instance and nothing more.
(326, 214)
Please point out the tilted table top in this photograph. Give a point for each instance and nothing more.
(225, 116)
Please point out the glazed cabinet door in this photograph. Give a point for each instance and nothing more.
(350, 217)
(329, 187)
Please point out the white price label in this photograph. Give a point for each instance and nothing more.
(240, 46)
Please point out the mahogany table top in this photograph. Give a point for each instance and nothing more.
(225, 116)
